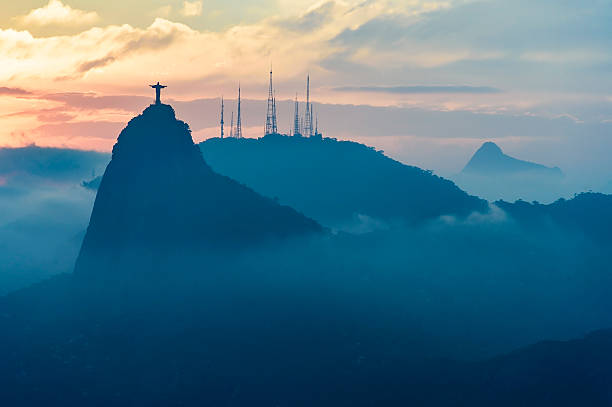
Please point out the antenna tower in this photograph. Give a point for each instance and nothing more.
(238, 120)
(271, 113)
(308, 115)
(296, 120)
(222, 116)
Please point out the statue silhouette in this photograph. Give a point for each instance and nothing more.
(158, 89)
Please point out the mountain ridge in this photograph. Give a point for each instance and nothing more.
(586, 213)
(337, 181)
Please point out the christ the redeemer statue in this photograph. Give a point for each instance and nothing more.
(158, 89)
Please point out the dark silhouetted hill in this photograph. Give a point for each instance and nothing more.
(158, 196)
(551, 373)
(215, 342)
(333, 181)
(490, 160)
(588, 214)
(572, 373)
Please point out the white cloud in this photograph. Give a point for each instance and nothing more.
(56, 13)
(28, 57)
(192, 8)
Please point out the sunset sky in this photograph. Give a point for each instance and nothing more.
(73, 72)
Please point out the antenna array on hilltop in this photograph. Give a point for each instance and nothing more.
(302, 125)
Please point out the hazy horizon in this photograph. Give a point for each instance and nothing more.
(413, 136)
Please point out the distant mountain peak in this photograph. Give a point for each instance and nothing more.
(489, 159)
(491, 148)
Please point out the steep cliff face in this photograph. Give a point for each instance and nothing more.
(158, 196)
